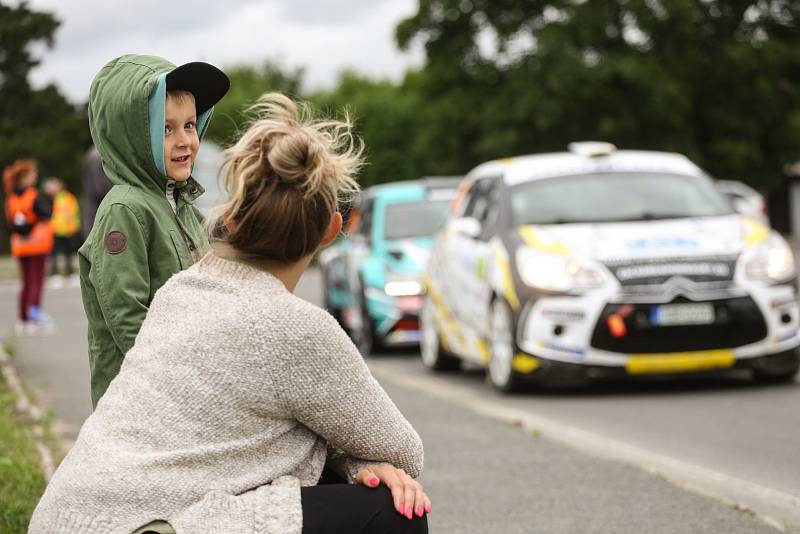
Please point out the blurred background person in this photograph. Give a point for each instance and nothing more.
(28, 216)
(95, 186)
(66, 223)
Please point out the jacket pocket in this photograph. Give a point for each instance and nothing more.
(181, 249)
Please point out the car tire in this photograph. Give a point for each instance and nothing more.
(502, 347)
(784, 372)
(365, 338)
(434, 356)
(328, 305)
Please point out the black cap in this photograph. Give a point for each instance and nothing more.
(206, 82)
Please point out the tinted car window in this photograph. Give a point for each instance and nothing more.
(608, 197)
(414, 219)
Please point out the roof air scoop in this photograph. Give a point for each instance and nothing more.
(591, 149)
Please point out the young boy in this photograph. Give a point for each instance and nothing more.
(146, 118)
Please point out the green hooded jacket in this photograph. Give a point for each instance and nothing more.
(137, 241)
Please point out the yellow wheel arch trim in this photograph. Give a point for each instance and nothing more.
(534, 239)
(524, 363)
(675, 362)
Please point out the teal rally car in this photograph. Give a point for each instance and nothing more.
(373, 278)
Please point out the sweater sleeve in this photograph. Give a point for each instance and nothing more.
(324, 382)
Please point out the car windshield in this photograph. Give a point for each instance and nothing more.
(610, 197)
(406, 220)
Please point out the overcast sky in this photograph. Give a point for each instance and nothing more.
(325, 37)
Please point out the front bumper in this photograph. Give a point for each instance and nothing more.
(573, 334)
(396, 319)
(557, 372)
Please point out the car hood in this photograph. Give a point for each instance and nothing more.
(408, 255)
(726, 235)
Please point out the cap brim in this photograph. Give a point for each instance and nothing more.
(206, 82)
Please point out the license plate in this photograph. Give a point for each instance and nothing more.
(682, 314)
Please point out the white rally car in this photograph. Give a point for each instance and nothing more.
(598, 263)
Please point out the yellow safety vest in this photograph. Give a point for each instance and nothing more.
(66, 218)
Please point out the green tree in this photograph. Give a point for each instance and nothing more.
(247, 84)
(716, 80)
(39, 124)
(385, 117)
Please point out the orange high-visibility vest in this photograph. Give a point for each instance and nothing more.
(40, 240)
(66, 220)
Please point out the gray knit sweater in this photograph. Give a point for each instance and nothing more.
(232, 397)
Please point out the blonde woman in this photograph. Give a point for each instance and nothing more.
(237, 393)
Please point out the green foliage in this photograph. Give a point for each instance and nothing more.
(21, 481)
(39, 124)
(247, 84)
(386, 117)
(714, 80)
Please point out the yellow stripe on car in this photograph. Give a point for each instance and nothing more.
(674, 362)
(754, 231)
(535, 240)
(524, 363)
(483, 349)
(509, 291)
(447, 324)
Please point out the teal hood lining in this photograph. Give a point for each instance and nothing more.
(157, 113)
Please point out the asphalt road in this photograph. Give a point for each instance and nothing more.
(494, 465)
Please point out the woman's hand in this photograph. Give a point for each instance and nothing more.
(409, 497)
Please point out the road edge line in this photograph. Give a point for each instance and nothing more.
(730, 490)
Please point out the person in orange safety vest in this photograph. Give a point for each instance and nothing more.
(28, 216)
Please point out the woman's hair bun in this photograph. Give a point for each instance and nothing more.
(285, 145)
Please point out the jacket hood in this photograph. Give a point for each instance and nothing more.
(126, 119)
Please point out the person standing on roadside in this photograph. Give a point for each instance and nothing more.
(95, 187)
(66, 222)
(147, 118)
(28, 216)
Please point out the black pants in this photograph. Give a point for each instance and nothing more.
(355, 509)
(64, 246)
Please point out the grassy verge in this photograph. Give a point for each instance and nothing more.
(21, 481)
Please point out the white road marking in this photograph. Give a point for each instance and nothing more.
(774, 507)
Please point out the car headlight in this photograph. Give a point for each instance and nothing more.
(403, 288)
(771, 262)
(555, 273)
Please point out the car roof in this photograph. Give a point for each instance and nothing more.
(538, 166)
(426, 183)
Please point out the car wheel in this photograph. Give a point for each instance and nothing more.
(501, 372)
(332, 309)
(365, 338)
(780, 368)
(434, 356)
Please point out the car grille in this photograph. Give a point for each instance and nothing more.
(654, 272)
(738, 321)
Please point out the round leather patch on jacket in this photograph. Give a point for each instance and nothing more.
(116, 242)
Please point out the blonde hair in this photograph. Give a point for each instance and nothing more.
(285, 178)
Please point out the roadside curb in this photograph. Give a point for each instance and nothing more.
(29, 411)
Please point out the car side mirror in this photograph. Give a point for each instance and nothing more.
(466, 226)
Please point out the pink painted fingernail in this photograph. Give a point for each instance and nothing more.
(374, 481)
(419, 511)
(428, 508)
(401, 509)
(409, 513)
